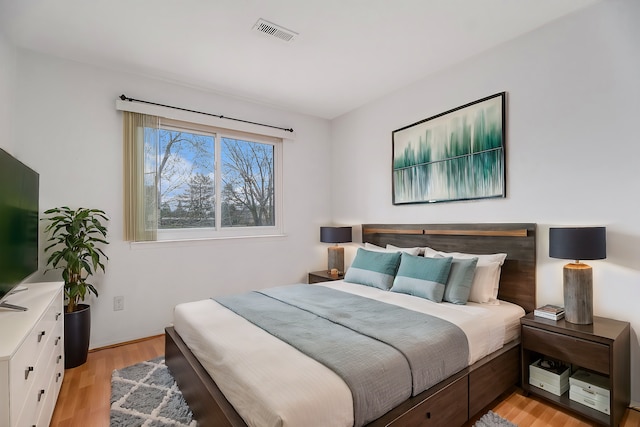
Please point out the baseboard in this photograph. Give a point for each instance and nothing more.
(120, 344)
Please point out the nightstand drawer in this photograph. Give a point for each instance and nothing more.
(587, 354)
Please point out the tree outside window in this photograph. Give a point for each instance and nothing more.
(186, 183)
(247, 184)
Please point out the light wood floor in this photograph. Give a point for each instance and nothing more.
(86, 390)
(85, 393)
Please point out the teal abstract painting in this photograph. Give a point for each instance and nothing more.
(456, 155)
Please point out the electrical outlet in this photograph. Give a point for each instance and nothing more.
(118, 303)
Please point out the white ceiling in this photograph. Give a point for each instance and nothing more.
(347, 53)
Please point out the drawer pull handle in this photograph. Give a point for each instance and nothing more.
(40, 335)
(428, 415)
(40, 394)
(58, 359)
(26, 372)
(58, 316)
(58, 376)
(57, 340)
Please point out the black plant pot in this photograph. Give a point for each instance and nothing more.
(77, 330)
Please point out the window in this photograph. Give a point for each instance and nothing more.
(200, 181)
(247, 193)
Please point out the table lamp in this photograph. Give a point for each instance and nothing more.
(578, 243)
(336, 253)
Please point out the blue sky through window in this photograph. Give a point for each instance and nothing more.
(181, 156)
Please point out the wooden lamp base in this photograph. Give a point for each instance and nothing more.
(578, 293)
(336, 258)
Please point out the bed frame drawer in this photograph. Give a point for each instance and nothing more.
(490, 380)
(448, 407)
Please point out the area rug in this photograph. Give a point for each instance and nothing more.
(146, 395)
(491, 419)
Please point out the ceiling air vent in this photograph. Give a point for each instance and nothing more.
(271, 29)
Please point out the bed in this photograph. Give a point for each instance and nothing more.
(451, 401)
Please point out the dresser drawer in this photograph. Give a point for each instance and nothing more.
(53, 321)
(584, 353)
(47, 405)
(45, 386)
(51, 318)
(32, 365)
(23, 368)
(448, 407)
(33, 401)
(56, 340)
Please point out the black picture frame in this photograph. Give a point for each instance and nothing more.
(455, 155)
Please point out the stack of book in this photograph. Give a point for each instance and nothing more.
(549, 311)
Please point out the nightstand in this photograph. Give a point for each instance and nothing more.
(323, 276)
(602, 347)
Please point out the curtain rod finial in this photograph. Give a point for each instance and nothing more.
(123, 97)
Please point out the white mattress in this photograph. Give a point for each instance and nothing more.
(271, 384)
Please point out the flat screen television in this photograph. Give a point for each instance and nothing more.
(19, 195)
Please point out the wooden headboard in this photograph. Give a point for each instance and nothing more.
(517, 240)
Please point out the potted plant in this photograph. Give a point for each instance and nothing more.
(74, 240)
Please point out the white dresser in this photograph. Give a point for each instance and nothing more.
(31, 356)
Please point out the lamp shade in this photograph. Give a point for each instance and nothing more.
(578, 243)
(335, 234)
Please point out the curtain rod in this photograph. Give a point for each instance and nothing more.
(126, 98)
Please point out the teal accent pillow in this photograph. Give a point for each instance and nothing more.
(422, 277)
(375, 269)
(458, 286)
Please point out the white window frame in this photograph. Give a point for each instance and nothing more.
(192, 121)
(229, 232)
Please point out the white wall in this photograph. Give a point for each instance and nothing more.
(71, 133)
(7, 92)
(572, 148)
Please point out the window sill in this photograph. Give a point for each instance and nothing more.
(198, 241)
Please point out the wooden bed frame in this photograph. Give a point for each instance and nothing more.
(454, 400)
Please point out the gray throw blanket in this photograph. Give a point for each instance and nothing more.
(384, 353)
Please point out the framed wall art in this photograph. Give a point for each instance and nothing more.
(455, 155)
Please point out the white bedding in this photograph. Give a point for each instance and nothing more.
(271, 384)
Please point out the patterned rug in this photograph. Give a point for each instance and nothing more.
(146, 395)
(491, 419)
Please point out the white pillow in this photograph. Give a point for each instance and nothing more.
(431, 253)
(486, 281)
(390, 248)
(410, 251)
(371, 247)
